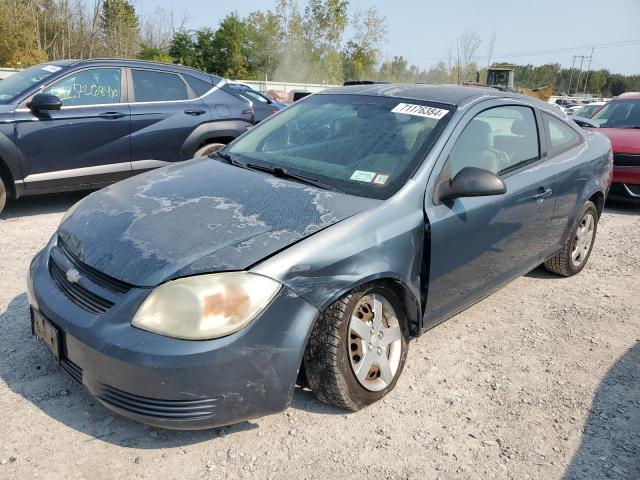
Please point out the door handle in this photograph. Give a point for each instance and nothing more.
(195, 112)
(543, 194)
(112, 115)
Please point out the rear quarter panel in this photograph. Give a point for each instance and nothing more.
(582, 172)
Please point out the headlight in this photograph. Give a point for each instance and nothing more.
(205, 306)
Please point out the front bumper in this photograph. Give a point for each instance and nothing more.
(626, 184)
(173, 383)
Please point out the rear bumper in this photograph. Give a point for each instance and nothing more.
(174, 383)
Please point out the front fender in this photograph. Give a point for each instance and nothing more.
(383, 243)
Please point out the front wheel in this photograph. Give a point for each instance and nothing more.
(358, 348)
(208, 149)
(3, 194)
(576, 251)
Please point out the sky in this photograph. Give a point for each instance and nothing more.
(535, 31)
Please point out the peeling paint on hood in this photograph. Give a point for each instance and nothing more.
(197, 217)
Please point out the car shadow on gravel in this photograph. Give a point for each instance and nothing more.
(28, 369)
(621, 208)
(610, 445)
(40, 205)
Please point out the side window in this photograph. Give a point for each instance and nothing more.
(95, 86)
(500, 140)
(152, 86)
(254, 97)
(200, 87)
(561, 136)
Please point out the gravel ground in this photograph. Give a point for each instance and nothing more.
(540, 380)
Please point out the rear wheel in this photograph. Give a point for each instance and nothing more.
(208, 149)
(358, 348)
(576, 251)
(3, 194)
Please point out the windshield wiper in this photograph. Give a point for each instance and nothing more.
(230, 159)
(280, 172)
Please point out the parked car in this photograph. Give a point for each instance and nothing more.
(312, 248)
(72, 125)
(589, 110)
(620, 121)
(279, 96)
(263, 106)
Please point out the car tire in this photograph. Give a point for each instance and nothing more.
(335, 352)
(208, 149)
(3, 194)
(577, 249)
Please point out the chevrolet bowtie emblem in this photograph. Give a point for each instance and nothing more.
(73, 275)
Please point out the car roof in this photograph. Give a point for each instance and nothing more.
(457, 95)
(142, 64)
(629, 96)
(449, 94)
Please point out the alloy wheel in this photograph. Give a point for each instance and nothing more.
(583, 240)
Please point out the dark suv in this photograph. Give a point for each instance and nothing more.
(71, 125)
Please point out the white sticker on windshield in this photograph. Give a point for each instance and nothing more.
(51, 68)
(362, 176)
(420, 110)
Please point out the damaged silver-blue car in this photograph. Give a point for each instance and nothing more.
(311, 249)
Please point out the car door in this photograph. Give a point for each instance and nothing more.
(86, 141)
(164, 112)
(480, 243)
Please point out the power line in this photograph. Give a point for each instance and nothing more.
(570, 49)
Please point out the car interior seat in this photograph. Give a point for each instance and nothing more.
(474, 148)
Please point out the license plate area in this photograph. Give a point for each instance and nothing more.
(44, 330)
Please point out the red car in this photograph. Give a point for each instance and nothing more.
(620, 121)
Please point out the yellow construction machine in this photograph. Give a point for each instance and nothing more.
(502, 78)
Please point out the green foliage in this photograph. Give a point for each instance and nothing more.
(120, 27)
(18, 46)
(183, 49)
(230, 47)
(154, 54)
(313, 46)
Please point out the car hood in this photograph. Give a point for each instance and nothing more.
(197, 217)
(623, 140)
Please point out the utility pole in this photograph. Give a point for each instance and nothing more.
(588, 70)
(573, 63)
(458, 60)
(582, 57)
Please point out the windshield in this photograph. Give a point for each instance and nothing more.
(619, 114)
(362, 145)
(587, 110)
(20, 82)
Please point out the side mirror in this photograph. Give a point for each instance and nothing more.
(45, 101)
(585, 122)
(470, 182)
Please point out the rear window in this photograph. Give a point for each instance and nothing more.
(366, 146)
(200, 87)
(153, 86)
(561, 136)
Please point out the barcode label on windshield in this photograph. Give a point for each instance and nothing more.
(420, 111)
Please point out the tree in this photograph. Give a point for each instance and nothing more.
(230, 47)
(18, 47)
(183, 49)
(120, 27)
(324, 24)
(264, 39)
(468, 44)
(362, 51)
